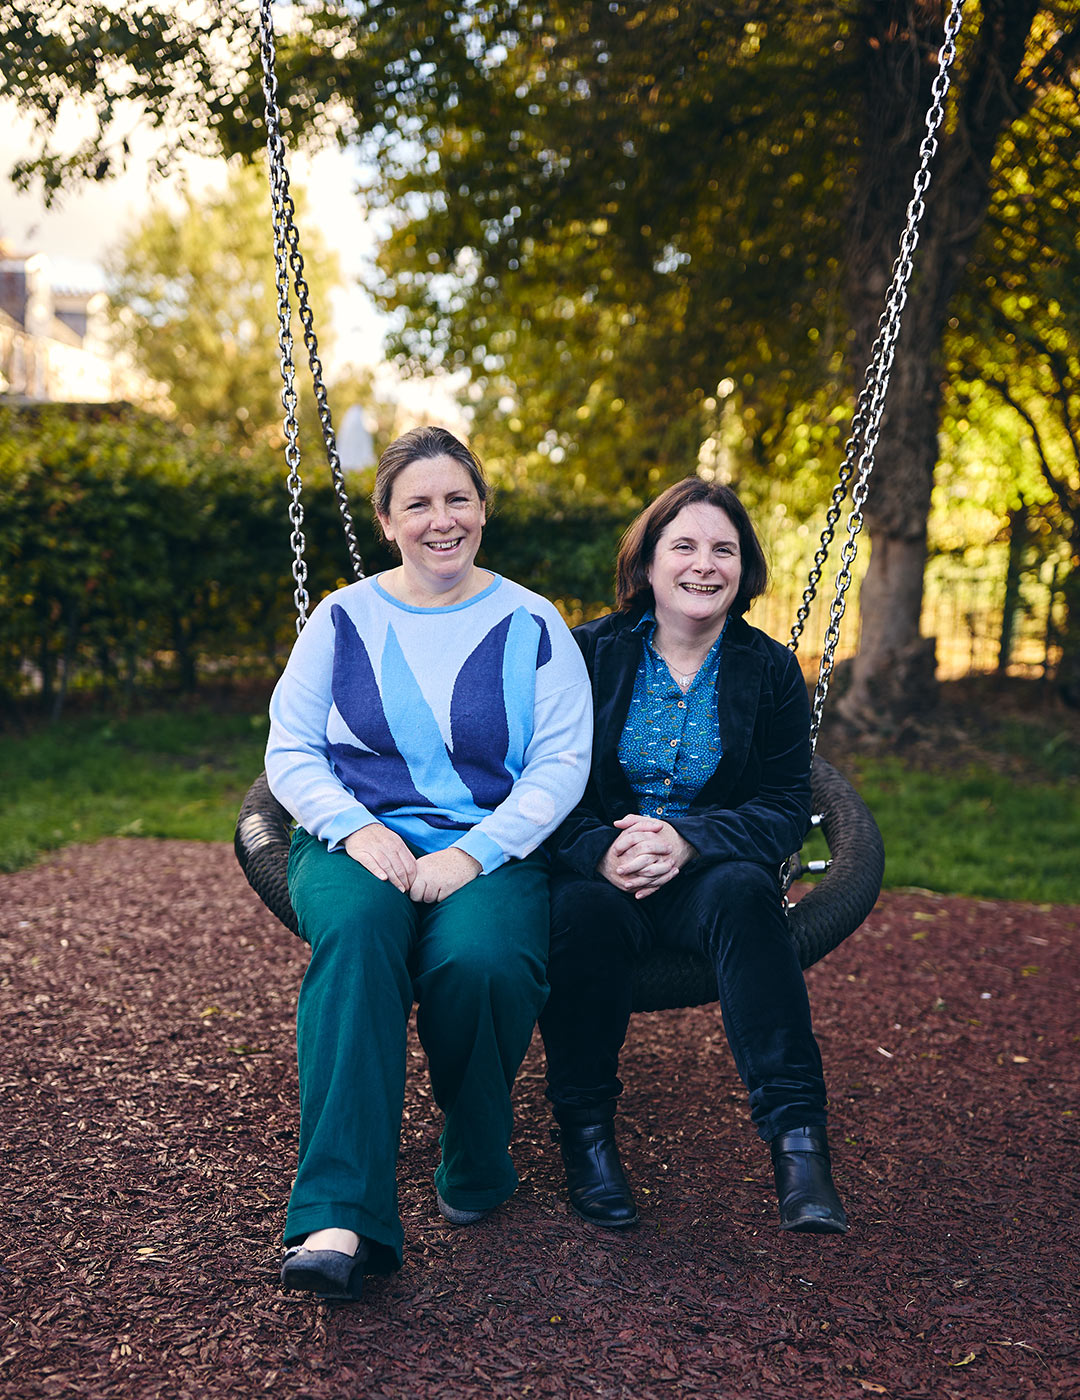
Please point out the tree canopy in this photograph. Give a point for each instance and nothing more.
(1014, 351)
(194, 302)
(178, 68)
(604, 211)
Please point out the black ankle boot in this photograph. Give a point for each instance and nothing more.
(599, 1191)
(804, 1184)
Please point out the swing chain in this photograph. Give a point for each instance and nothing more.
(287, 257)
(278, 196)
(866, 422)
(315, 364)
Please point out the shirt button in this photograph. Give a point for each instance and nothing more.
(674, 743)
(667, 782)
(682, 704)
(659, 810)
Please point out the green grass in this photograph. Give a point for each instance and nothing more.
(970, 830)
(177, 774)
(974, 831)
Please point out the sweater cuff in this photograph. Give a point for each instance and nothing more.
(337, 831)
(483, 849)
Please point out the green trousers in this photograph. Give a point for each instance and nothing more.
(476, 965)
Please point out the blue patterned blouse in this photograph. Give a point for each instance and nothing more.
(670, 744)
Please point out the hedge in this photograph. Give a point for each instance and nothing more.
(132, 555)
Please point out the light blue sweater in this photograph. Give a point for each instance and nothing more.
(468, 725)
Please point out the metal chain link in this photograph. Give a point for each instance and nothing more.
(287, 258)
(866, 423)
(278, 194)
(296, 262)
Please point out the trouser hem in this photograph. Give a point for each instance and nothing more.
(598, 1111)
(789, 1119)
(475, 1200)
(384, 1244)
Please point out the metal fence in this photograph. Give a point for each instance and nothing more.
(962, 608)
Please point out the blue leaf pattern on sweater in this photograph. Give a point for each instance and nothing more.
(523, 649)
(543, 651)
(478, 721)
(404, 763)
(376, 775)
(418, 737)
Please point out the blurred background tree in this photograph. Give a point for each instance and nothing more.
(658, 236)
(1014, 352)
(194, 304)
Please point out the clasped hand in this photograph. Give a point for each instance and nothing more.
(426, 880)
(646, 855)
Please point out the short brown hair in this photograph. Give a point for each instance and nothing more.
(638, 545)
(415, 445)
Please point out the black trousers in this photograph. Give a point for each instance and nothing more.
(732, 912)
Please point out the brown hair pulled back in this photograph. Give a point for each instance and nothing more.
(414, 446)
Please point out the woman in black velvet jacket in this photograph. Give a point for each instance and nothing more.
(700, 788)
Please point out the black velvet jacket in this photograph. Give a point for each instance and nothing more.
(756, 806)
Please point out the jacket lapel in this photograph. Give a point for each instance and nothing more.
(738, 690)
(614, 668)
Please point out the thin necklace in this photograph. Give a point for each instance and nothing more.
(683, 681)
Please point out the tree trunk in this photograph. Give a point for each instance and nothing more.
(893, 673)
(896, 659)
(1068, 671)
(1018, 534)
(185, 655)
(71, 648)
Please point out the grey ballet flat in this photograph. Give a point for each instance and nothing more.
(459, 1217)
(325, 1272)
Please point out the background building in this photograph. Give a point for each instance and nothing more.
(53, 337)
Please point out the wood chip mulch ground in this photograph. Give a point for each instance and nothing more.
(149, 1127)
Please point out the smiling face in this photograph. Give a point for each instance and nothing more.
(436, 520)
(695, 570)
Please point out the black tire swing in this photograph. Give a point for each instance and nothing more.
(851, 876)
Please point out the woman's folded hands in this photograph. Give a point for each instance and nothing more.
(645, 855)
(426, 879)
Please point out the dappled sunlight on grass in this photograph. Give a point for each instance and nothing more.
(974, 832)
(957, 824)
(162, 774)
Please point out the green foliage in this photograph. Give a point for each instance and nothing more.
(177, 774)
(194, 303)
(613, 216)
(558, 544)
(975, 832)
(134, 555)
(1015, 354)
(182, 70)
(130, 549)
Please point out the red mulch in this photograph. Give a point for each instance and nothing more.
(149, 1124)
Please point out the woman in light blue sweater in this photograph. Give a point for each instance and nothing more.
(433, 725)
